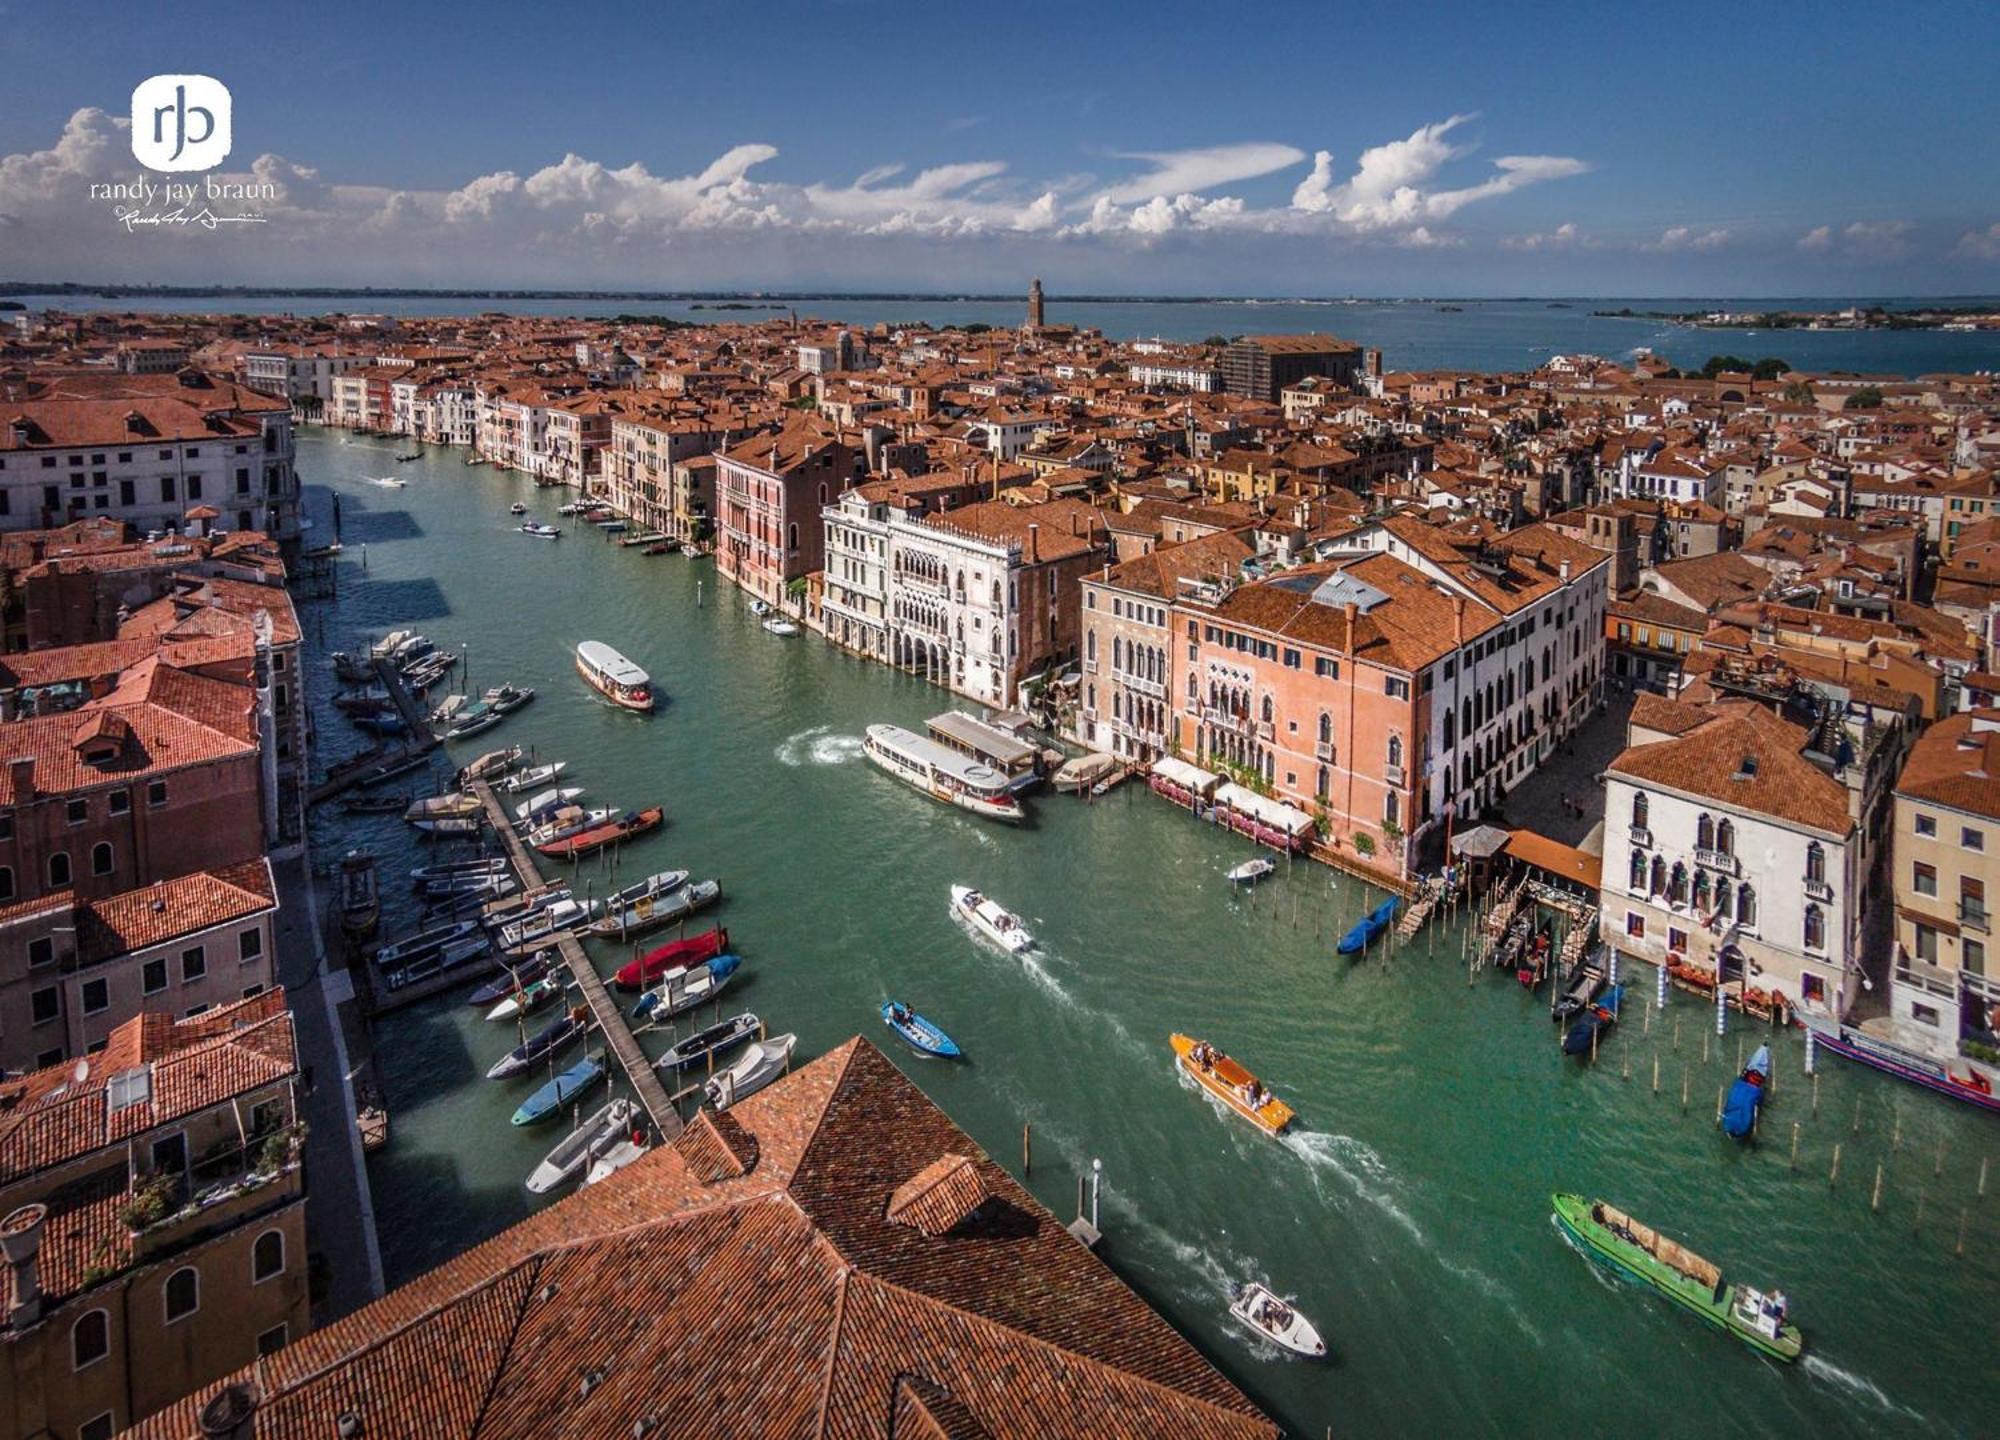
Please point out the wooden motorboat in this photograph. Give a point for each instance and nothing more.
(1230, 1083)
(1083, 772)
(414, 947)
(429, 963)
(490, 887)
(506, 699)
(679, 991)
(375, 804)
(1251, 871)
(549, 1040)
(756, 1067)
(526, 780)
(539, 531)
(567, 820)
(547, 923)
(535, 995)
(617, 832)
(634, 907)
(674, 955)
(360, 905)
(919, 1034)
(663, 909)
(1363, 932)
(567, 1086)
(778, 625)
(574, 1153)
(539, 808)
(987, 918)
(1277, 1320)
(493, 763)
(722, 1035)
(452, 869)
(456, 806)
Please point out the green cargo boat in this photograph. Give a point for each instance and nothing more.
(1752, 1316)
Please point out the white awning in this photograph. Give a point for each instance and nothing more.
(1266, 812)
(1188, 777)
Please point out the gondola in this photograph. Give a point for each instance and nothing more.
(1746, 1096)
(1363, 932)
(1589, 1027)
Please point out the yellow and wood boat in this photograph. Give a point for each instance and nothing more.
(1233, 1085)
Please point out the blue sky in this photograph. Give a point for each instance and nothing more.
(1156, 149)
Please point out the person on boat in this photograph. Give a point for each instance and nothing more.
(900, 1014)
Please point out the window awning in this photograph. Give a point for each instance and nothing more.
(1267, 812)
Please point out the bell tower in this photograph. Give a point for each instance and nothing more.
(1034, 304)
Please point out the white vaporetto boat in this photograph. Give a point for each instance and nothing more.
(942, 773)
(613, 676)
(1277, 1320)
(990, 919)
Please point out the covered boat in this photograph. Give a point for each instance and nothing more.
(680, 991)
(567, 820)
(1363, 932)
(1230, 1083)
(671, 899)
(1614, 1238)
(549, 1040)
(1583, 1034)
(942, 773)
(613, 676)
(455, 806)
(1251, 871)
(616, 832)
(986, 917)
(561, 1090)
(1746, 1096)
(547, 923)
(536, 810)
(919, 1034)
(492, 763)
(674, 955)
(574, 1152)
(709, 1041)
(1277, 1320)
(756, 1067)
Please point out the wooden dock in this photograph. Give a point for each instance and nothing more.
(605, 1012)
(345, 776)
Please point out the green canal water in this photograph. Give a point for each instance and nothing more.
(1409, 1212)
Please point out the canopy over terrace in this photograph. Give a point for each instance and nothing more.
(1263, 819)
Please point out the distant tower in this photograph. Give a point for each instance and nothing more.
(1034, 304)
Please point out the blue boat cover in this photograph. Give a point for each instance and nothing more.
(1739, 1111)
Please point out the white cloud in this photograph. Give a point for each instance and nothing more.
(1177, 172)
(1861, 240)
(1817, 240)
(1563, 237)
(1979, 244)
(1388, 187)
(1686, 237)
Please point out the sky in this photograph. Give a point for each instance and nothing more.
(1163, 149)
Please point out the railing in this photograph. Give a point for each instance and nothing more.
(917, 580)
(1155, 688)
(1393, 775)
(1323, 751)
(1718, 860)
(1818, 889)
(1972, 915)
(1642, 837)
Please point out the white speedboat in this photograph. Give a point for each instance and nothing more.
(537, 808)
(990, 920)
(751, 1071)
(529, 779)
(542, 532)
(778, 625)
(387, 482)
(572, 820)
(614, 1159)
(573, 1154)
(1251, 871)
(1277, 1320)
(643, 905)
(517, 508)
(760, 607)
(942, 773)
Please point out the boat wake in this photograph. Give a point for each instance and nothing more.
(818, 746)
(1599, 1271)
(1858, 1386)
(1356, 1165)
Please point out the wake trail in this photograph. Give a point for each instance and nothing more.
(1859, 1386)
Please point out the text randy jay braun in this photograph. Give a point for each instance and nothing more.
(183, 192)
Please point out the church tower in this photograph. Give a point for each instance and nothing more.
(1034, 304)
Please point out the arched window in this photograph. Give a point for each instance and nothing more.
(792, 537)
(1090, 645)
(1725, 837)
(1816, 862)
(100, 858)
(1701, 895)
(1639, 810)
(1450, 729)
(1677, 889)
(267, 1256)
(1659, 876)
(1325, 728)
(1266, 712)
(183, 1293)
(1724, 900)
(1117, 653)
(1638, 871)
(1704, 832)
(1396, 750)
(1815, 928)
(1392, 808)
(59, 870)
(89, 1339)
(1746, 905)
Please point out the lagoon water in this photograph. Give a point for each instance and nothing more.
(1504, 335)
(1409, 1213)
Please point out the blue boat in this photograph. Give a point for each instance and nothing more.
(1746, 1096)
(1368, 927)
(676, 995)
(1593, 1022)
(551, 1040)
(560, 1091)
(920, 1034)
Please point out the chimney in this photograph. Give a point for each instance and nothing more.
(21, 770)
(20, 1246)
(231, 1414)
(1565, 572)
(1458, 619)
(1351, 610)
(1034, 547)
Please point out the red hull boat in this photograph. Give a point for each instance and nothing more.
(585, 842)
(671, 956)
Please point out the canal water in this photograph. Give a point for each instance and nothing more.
(1409, 1212)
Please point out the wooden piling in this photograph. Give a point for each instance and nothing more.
(1857, 1115)
(1795, 1145)
(1656, 1072)
(1960, 1248)
(1834, 1174)
(1938, 1167)
(1684, 1089)
(1027, 1158)
(1677, 1034)
(1917, 1225)
(1815, 1105)
(1982, 1175)
(1875, 1200)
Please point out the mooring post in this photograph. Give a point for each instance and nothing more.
(1875, 1200)
(1795, 1145)
(1026, 1158)
(1096, 1185)
(1834, 1174)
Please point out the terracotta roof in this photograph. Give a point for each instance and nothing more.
(1956, 763)
(1748, 759)
(779, 1302)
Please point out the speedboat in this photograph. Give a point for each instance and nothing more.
(760, 607)
(573, 1153)
(636, 906)
(557, 919)
(514, 977)
(538, 810)
(477, 720)
(450, 955)
(712, 1041)
(1363, 932)
(550, 1039)
(570, 820)
(529, 779)
(778, 625)
(542, 532)
(517, 508)
(415, 947)
(1251, 871)
(487, 865)
(533, 996)
(918, 1033)
(491, 764)
(491, 887)
(1276, 1320)
(560, 1091)
(680, 991)
(506, 699)
(751, 1071)
(987, 918)
(675, 903)
(674, 955)
(1232, 1084)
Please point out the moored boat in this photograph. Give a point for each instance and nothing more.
(528, 779)
(506, 699)
(360, 905)
(547, 923)
(1616, 1239)
(613, 676)
(415, 947)
(679, 991)
(567, 820)
(616, 832)
(450, 869)
(573, 1153)
(556, 1093)
(1958, 1079)
(722, 1035)
(550, 1039)
(1251, 871)
(942, 773)
(1230, 1083)
(1277, 1320)
(534, 811)
(455, 806)
(533, 996)
(921, 1035)
(542, 532)
(674, 955)
(614, 1159)
(429, 963)
(491, 764)
(986, 917)
(1363, 932)
(1588, 1028)
(656, 900)
(764, 1061)
(542, 962)
(1746, 1096)
(779, 625)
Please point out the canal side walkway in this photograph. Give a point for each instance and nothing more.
(604, 1011)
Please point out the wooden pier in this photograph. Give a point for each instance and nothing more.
(605, 1012)
(345, 776)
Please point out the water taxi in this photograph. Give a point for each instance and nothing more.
(1277, 1321)
(1230, 1083)
(988, 918)
(613, 676)
(942, 773)
(1615, 1238)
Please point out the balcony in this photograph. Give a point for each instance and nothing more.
(1394, 775)
(927, 584)
(1817, 889)
(1155, 688)
(1324, 751)
(1642, 837)
(1720, 860)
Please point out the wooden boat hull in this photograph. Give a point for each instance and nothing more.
(1225, 1079)
(589, 842)
(674, 955)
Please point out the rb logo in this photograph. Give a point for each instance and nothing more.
(180, 122)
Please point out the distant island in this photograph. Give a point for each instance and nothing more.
(1854, 317)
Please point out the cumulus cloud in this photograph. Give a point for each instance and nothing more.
(1979, 244)
(1686, 237)
(1563, 237)
(1390, 183)
(1177, 172)
(1817, 240)
(1861, 240)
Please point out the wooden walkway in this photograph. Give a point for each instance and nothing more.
(604, 1011)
